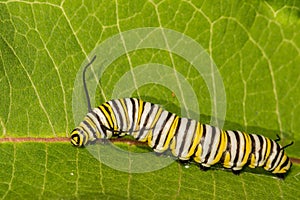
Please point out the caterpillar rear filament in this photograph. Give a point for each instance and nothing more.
(186, 138)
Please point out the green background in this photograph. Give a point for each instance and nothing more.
(255, 46)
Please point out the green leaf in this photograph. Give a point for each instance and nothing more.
(59, 171)
(254, 45)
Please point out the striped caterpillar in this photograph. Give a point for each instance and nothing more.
(186, 138)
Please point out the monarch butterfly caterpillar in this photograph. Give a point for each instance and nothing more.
(186, 138)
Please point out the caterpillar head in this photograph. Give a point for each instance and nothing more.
(90, 130)
(78, 137)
